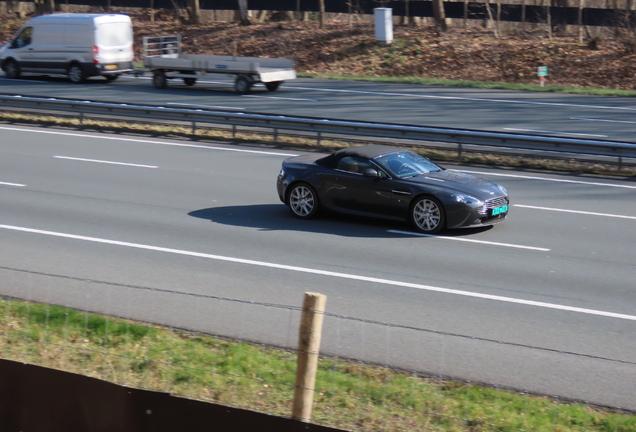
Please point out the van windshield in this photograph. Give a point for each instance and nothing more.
(113, 34)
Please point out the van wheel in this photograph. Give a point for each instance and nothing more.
(11, 69)
(76, 73)
(159, 80)
(111, 77)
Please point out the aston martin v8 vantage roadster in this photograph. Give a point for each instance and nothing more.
(388, 182)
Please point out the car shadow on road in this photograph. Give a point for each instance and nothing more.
(274, 217)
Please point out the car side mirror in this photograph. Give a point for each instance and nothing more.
(370, 172)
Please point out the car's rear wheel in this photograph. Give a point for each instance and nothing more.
(427, 215)
(111, 77)
(303, 201)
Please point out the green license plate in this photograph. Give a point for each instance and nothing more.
(499, 210)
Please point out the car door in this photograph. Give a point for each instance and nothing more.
(21, 48)
(354, 192)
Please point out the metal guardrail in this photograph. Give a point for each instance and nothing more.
(320, 126)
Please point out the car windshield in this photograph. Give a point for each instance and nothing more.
(406, 164)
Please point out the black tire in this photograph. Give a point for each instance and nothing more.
(303, 201)
(11, 69)
(189, 81)
(159, 80)
(427, 215)
(243, 84)
(111, 77)
(273, 86)
(75, 73)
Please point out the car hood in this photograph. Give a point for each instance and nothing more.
(462, 182)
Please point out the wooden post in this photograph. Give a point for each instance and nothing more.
(308, 349)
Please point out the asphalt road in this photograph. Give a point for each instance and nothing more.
(544, 302)
(571, 116)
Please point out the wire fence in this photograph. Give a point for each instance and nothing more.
(373, 376)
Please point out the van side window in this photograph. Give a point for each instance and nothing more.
(23, 39)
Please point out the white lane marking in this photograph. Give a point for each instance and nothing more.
(12, 184)
(603, 120)
(463, 98)
(105, 162)
(147, 141)
(555, 132)
(549, 179)
(283, 98)
(462, 239)
(328, 273)
(576, 211)
(23, 80)
(207, 106)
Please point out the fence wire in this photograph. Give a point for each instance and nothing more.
(373, 376)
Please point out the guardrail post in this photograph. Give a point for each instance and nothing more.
(308, 349)
(233, 131)
(81, 118)
(194, 127)
(276, 135)
(319, 138)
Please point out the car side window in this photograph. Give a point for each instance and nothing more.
(23, 38)
(358, 165)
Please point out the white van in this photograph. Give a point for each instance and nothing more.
(76, 45)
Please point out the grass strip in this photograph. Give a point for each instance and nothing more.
(305, 143)
(350, 395)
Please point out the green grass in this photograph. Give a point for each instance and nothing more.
(477, 84)
(349, 395)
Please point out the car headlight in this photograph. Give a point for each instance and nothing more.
(466, 199)
(281, 173)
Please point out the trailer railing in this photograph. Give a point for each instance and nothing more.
(322, 126)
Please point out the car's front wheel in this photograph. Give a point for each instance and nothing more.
(427, 215)
(303, 201)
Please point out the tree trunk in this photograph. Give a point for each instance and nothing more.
(321, 14)
(580, 20)
(440, 15)
(244, 17)
(195, 12)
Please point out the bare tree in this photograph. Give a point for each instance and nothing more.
(195, 12)
(321, 14)
(243, 14)
(440, 15)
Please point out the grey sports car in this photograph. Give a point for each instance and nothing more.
(388, 182)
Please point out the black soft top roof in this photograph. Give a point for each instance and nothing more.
(365, 151)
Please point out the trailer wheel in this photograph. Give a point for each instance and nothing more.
(189, 81)
(159, 80)
(242, 84)
(273, 86)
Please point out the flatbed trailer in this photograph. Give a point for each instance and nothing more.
(163, 57)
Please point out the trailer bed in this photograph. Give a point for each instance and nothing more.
(163, 56)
